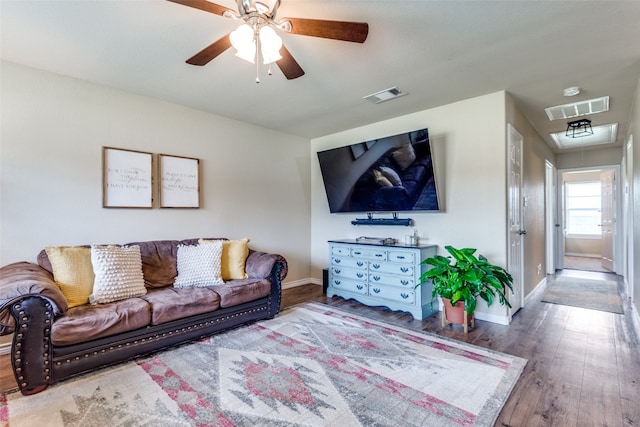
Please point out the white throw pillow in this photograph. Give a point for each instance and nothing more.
(199, 265)
(118, 273)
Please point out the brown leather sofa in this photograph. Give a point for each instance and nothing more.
(52, 342)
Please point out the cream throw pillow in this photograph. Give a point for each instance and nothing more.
(234, 257)
(72, 272)
(199, 265)
(118, 273)
(404, 156)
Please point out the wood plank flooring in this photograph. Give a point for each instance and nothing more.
(583, 365)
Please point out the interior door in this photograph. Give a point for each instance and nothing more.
(607, 222)
(516, 230)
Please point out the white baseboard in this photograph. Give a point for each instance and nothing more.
(583, 255)
(5, 348)
(296, 283)
(530, 296)
(493, 318)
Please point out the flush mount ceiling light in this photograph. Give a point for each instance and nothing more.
(576, 109)
(602, 134)
(579, 128)
(385, 95)
(571, 91)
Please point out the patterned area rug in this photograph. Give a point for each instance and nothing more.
(599, 295)
(313, 365)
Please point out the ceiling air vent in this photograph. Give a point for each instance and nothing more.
(581, 108)
(385, 95)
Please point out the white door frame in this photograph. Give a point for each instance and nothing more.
(617, 244)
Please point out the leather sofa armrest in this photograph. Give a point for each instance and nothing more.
(22, 280)
(259, 265)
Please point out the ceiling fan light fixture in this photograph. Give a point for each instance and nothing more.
(243, 40)
(270, 45)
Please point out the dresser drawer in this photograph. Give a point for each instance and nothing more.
(403, 269)
(340, 250)
(348, 262)
(402, 256)
(359, 287)
(392, 293)
(373, 253)
(348, 273)
(392, 279)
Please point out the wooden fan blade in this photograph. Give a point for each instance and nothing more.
(205, 5)
(208, 53)
(288, 65)
(338, 30)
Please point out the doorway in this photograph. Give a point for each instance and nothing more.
(588, 202)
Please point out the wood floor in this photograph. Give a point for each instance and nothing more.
(583, 365)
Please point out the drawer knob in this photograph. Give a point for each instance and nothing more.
(400, 256)
(337, 282)
(337, 270)
(376, 290)
(404, 296)
(337, 260)
(359, 287)
(360, 263)
(376, 278)
(404, 269)
(360, 275)
(376, 266)
(404, 282)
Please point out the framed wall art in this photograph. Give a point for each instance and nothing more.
(179, 181)
(127, 178)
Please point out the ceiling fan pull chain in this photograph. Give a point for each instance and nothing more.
(257, 42)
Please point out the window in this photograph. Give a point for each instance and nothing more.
(583, 208)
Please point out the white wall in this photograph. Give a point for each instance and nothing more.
(254, 181)
(469, 148)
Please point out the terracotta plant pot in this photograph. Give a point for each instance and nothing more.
(456, 314)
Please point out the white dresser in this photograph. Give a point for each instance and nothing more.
(381, 275)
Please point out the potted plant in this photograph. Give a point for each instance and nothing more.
(461, 277)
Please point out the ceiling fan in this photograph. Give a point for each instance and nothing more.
(260, 20)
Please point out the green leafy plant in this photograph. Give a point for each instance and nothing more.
(463, 277)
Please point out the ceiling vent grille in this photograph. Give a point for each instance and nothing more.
(385, 95)
(575, 109)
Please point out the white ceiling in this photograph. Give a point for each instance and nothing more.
(438, 51)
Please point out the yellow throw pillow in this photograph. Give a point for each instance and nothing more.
(234, 257)
(72, 272)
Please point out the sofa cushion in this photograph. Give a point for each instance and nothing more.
(199, 265)
(170, 303)
(118, 273)
(158, 262)
(72, 272)
(89, 322)
(236, 292)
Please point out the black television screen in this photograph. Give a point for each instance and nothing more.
(391, 174)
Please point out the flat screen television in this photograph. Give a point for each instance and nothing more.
(391, 174)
